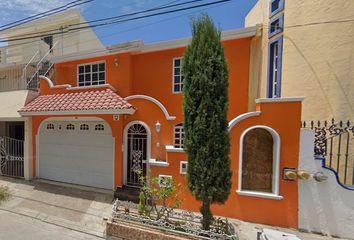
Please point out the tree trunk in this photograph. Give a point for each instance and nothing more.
(207, 215)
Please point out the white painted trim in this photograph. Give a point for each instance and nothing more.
(80, 112)
(259, 194)
(173, 74)
(153, 162)
(283, 99)
(180, 139)
(125, 147)
(180, 167)
(106, 85)
(276, 159)
(170, 148)
(154, 100)
(69, 87)
(242, 117)
(138, 47)
(49, 82)
(91, 63)
(183, 42)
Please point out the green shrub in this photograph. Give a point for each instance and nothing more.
(4, 194)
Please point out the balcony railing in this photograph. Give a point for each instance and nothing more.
(11, 78)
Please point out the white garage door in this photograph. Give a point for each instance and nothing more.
(76, 152)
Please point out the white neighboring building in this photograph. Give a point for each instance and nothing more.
(21, 62)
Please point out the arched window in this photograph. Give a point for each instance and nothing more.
(178, 136)
(259, 162)
(50, 126)
(84, 127)
(99, 127)
(70, 127)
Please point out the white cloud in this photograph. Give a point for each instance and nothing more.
(135, 5)
(30, 6)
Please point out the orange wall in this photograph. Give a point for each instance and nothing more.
(151, 74)
(284, 118)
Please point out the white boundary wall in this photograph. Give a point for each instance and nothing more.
(324, 207)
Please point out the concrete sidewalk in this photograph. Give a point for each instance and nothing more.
(38, 210)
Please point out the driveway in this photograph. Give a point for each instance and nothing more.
(39, 210)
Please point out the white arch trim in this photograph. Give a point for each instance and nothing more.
(241, 117)
(125, 146)
(51, 84)
(276, 164)
(154, 100)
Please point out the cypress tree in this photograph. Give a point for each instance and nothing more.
(205, 105)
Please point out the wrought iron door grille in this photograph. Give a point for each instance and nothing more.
(11, 157)
(137, 154)
(334, 142)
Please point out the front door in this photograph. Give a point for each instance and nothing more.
(136, 154)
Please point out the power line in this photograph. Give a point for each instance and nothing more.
(43, 14)
(164, 6)
(34, 41)
(120, 21)
(98, 51)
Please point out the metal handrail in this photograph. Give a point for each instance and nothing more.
(45, 55)
(40, 62)
(24, 71)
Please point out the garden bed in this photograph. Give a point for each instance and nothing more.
(127, 223)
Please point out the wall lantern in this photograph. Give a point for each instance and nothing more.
(158, 126)
(116, 62)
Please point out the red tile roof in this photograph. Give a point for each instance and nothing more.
(89, 100)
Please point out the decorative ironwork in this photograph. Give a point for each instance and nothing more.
(179, 221)
(333, 143)
(137, 153)
(11, 157)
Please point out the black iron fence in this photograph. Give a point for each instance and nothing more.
(11, 157)
(335, 142)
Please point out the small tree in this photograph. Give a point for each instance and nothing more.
(205, 108)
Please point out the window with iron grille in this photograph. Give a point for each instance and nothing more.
(178, 136)
(91, 74)
(177, 75)
(70, 127)
(99, 127)
(84, 127)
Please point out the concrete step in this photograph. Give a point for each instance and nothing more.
(127, 193)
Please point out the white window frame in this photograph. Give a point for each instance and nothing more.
(276, 165)
(181, 168)
(164, 176)
(180, 75)
(181, 139)
(98, 72)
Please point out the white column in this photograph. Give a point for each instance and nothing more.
(28, 149)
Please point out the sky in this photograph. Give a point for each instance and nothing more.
(229, 15)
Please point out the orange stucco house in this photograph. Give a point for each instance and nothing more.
(104, 113)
